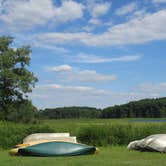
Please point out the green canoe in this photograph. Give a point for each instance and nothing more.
(57, 149)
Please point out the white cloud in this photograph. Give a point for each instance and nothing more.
(96, 10)
(152, 88)
(49, 47)
(92, 24)
(60, 95)
(69, 10)
(95, 21)
(126, 9)
(1, 6)
(66, 73)
(61, 68)
(30, 13)
(55, 95)
(136, 31)
(88, 58)
(89, 76)
(139, 13)
(27, 13)
(62, 87)
(88, 28)
(159, 1)
(100, 9)
(61, 38)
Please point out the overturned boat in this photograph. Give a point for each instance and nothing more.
(49, 136)
(56, 149)
(51, 145)
(155, 142)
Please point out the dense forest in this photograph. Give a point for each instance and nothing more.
(146, 108)
(71, 112)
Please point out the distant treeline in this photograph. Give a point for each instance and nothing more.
(71, 112)
(147, 108)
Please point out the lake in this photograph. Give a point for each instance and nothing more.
(148, 120)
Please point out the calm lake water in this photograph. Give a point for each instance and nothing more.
(148, 120)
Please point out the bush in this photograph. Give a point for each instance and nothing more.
(22, 111)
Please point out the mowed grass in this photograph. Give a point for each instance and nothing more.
(108, 156)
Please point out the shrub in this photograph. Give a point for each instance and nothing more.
(21, 112)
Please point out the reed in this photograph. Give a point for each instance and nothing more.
(94, 132)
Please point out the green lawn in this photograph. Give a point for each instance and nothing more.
(109, 156)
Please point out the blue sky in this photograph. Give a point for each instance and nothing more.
(93, 52)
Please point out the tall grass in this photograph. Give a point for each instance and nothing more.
(93, 132)
(12, 134)
(119, 134)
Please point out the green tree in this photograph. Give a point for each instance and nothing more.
(15, 78)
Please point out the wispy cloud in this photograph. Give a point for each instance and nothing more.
(36, 44)
(136, 31)
(138, 13)
(1, 6)
(100, 9)
(90, 76)
(95, 21)
(153, 88)
(23, 15)
(126, 9)
(70, 10)
(62, 87)
(67, 73)
(159, 1)
(89, 58)
(61, 68)
(60, 95)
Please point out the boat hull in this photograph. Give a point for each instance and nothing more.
(57, 149)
